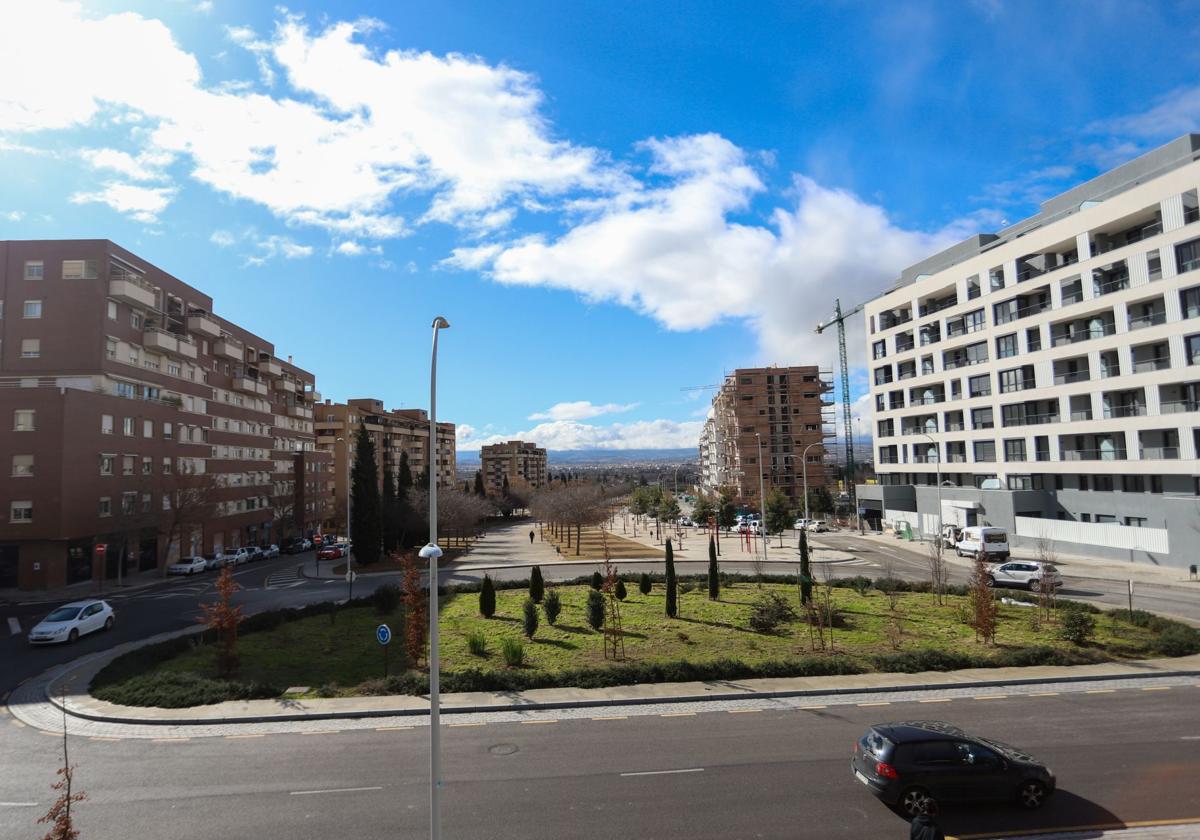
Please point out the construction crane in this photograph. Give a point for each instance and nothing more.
(839, 318)
(700, 388)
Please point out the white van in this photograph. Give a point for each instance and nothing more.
(993, 542)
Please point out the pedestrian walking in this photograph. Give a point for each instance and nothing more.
(531, 536)
(924, 825)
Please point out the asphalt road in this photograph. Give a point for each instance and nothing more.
(1125, 755)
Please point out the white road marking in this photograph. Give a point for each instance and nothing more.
(1190, 738)
(664, 772)
(334, 790)
(14, 626)
(17, 804)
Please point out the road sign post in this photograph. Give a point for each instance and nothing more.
(1131, 599)
(98, 560)
(383, 635)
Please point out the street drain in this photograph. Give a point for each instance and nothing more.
(502, 749)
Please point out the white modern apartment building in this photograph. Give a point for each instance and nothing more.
(1050, 373)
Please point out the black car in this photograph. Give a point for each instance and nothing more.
(904, 764)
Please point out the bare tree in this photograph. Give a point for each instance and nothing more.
(983, 603)
(191, 504)
(59, 815)
(1047, 595)
(459, 514)
(939, 570)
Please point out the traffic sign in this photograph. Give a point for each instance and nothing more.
(100, 548)
(383, 634)
(351, 576)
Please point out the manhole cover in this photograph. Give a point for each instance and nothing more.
(502, 749)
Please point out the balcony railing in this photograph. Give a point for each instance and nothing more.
(1191, 214)
(955, 427)
(1007, 316)
(1083, 414)
(1031, 420)
(929, 400)
(1153, 363)
(894, 321)
(1083, 335)
(1072, 296)
(1137, 410)
(1178, 406)
(1160, 453)
(904, 347)
(1143, 321)
(1093, 455)
(1074, 376)
(918, 432)
(937, 306)
(956, 458)
(1107, 287)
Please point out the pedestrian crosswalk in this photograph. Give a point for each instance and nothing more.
(284, 579)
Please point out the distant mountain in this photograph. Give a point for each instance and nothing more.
(606, 456)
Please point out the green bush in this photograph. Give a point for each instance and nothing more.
(644, 585)
(595, 609)
(770, 609)
(597, 581)
(328, 690)
(513, 651)
(537, 587)
(177, 690)
(477, 644)
(529, 619)
(620, 591)
(1078, 627)
(386, 599)
(1178, 640)
(487, 597)
(552, 605)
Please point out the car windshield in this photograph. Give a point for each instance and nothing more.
(64, 614)
(995, 538)
(876, 744)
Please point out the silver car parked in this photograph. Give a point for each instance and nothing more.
(1026, 574)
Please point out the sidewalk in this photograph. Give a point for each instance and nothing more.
(68, 686)
(1131, 831)
(83, 589)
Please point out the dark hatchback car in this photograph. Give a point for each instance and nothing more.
(904, 764)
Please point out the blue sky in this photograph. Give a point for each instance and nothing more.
(608, 200)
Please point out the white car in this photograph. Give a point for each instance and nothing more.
(188, 566)
(271, 551)
(306, 545)
(239, 556)
(70, 621)
(802, 524)
(686, 522)
(1027, 574)
(214, 560)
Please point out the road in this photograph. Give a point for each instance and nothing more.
(775, 773)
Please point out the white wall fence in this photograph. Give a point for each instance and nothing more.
(1152, 540)
(890, 517)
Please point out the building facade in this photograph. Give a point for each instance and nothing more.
(788, 410)
(519, 463)
(394, 432)
(139, 420)
(1050, 373)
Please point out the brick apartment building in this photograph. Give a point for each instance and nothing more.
(393, 432)
(789, 409)
(523, 464)
(135, 418)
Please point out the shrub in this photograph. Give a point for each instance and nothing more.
(386, 599)
(620, 591)
(328, 690)
(552, 605)
(487, 597)
(597, 581)
(477, 644)
(685, 588)
(595, 609)
(529, 621)
(770, 609)
(513, 651)
(828, 614)
(671, 602)
(1078, 627)
(537, 587)
(644, 584)
(176, 690)
(1178, 640)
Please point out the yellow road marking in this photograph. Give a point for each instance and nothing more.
(16, 722)
(991, 697)
(936, 700)
(532, 722)
(1101, 691)
(1157, 688)
(742, 711)
(678, 714)
(393, 728)
(811, 708)
(883, 703)
(1043, 694)
(101, 738)
(460, 725)
(612, 717)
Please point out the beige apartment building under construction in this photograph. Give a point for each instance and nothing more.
(522, 463)
(394, 432)
(788, 410)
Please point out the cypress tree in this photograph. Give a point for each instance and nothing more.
(404, 479)
(390, 512)
(595, 609)
(805, 570)
(365, 517)
(487, 597)
(672, 595)
(530, 618)
(644, 584)
(537, 587)
(597, 581)
(479, 491)
(714, 574)
(620, 590)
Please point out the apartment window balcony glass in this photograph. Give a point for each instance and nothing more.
(1072, 376)
(1106, 281)
(1072, 290)
(979, 386)
(1160, 453)
(908, 370)
(932, 306)
(1187, 256)
(973, 288)
(1017, 379)
(1141, 322)
(1154, 265)
(1151, 357)
(879, 350)
(985, 451)
(981, 418)
(904, 346)
(1084, 329)
(1189, 302)
(929, 335)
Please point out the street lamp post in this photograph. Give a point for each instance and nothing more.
(762, 495)
(937, 451)
(432, 553)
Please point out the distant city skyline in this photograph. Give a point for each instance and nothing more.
(610, 203)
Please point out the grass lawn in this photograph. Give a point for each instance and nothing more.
(314, 652)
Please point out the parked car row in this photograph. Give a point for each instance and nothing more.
(216, 560)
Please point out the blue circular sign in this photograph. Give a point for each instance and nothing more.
(383, 634)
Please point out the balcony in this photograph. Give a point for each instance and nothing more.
(1160, 453)
(269, 367)
(1081, 331)
(230, 348)
(202, 324)
(1143, 321)
(134, 291)
(1112, 278)
(249, 386)
(286, 385)
(1072, 377)
(300, 412)
(1093, 455)
(163, 342)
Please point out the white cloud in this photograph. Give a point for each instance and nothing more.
(222, 238)
(350, 248)
(570, 434)
(13, 215)
(355, 131)
(580, 410)
(141, 203)
(145, 167)
(1174, 114)
(674, 252)
(272, 247)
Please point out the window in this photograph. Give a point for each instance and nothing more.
(147, 465)
(1189, 302)
(1033, 339)
(80, 269)
(128, 503)
(979, 386)
(1187, 256)
(22, 466)
(981, 418)
(985, 450)
(1133, 483)
(125, 389)
(1006, 346)
(33, 309)
(1014, 450)
(996, 278)
(1016, 379)
(878, 349)
(147, 502)
(112, 310)
(127, 465)
(1154, 265)
(1135, 521)
(127, 426)
(106, 463)
(20, 512)
(24, 420)
(34, 270)
(1020, 482)
(105, 506)
(135, 320)
(174, 369)
(974, 321)
(166, 466)
(31, 348)
(148, 428)
(973, 290)
(1106, 519)
(1156, 484)
(166, 501)
(1103, 483)
(1085, 517)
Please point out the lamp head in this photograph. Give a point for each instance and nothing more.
(430, 551)
(440, 323)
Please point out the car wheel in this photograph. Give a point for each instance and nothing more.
(1031, 794)
(73, 636)
(108, 623)
(990, 581)
(912, 801)
(1034, 585)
